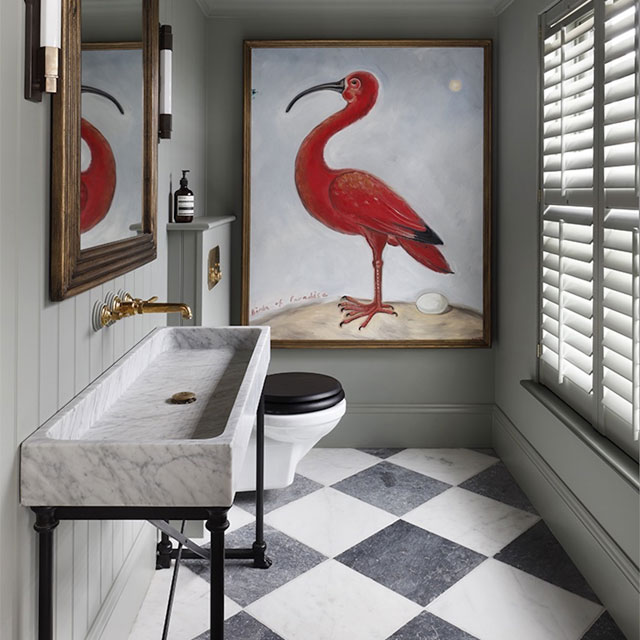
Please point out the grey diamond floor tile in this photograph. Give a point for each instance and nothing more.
(390, 487)
(413, 562)
(426, 626)
(537, 552)
(274, 498)
(604, 628)
(497, 483)
(379, 452)
(243, 627)
(243, 583)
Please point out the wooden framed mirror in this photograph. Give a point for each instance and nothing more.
(99, 186)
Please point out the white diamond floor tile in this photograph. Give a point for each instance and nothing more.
(329, 521)
(328, 466)
(333, 602)
(238, 518)
(447, 465)
(190, 614)
(498, 602)
(476, 522)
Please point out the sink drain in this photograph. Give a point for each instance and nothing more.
(183, 397)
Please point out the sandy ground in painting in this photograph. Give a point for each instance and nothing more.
(322, 322)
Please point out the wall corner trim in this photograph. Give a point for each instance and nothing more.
(204, 8)
(501, 5)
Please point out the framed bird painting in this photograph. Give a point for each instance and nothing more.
(367, 192)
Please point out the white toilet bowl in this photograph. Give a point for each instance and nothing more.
(289, 436)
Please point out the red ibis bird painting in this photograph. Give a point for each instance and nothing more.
(366, 192)
(356, 202)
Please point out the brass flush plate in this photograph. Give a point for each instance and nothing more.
(214, 272)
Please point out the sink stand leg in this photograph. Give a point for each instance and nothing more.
(46, 522)
(164, 552)
(260, 558)
(217, 524)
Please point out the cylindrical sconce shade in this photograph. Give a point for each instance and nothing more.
(165, 86)
(50, 19)
(50, 38)
(166, 51)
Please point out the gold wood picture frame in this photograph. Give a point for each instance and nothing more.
(367, 192)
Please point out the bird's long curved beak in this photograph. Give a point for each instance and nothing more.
(85, 88)
(333, 86)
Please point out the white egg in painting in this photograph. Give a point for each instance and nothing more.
(432, 303)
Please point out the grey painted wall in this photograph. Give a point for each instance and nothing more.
(443, 394)
(603, 540)
(48, 351)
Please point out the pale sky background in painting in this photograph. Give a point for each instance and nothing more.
(423, 137)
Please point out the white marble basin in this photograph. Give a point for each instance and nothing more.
(120, 442)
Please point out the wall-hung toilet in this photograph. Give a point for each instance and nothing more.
(300, 409)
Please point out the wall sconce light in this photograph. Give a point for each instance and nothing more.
(43, 21)
(166, 51)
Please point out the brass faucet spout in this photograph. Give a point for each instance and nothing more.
(127, 305)
(167, 307)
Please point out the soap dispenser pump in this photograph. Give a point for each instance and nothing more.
(184, 201)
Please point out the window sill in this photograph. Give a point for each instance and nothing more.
(605, 449)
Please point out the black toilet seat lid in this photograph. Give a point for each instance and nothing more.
(300, 392)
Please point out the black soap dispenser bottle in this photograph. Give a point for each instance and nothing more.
(183, 201)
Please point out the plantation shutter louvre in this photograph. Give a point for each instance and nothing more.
(589, 296)
(567, 209)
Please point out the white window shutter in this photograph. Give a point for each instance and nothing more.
(568, 201)
(620, 360)
(590, 320)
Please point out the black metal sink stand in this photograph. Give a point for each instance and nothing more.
(166, 552)
(48, 518)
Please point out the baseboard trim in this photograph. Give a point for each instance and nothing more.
(608, 544)
(612, 574)
(413, 425)
(475, 409)
(119, 609)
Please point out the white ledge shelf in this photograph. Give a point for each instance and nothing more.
(622, 463)
(200, 223)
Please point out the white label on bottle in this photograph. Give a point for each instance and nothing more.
(186, 205)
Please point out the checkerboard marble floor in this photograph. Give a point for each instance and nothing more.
(390, 544)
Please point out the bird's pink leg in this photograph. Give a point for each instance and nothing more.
(355, 309)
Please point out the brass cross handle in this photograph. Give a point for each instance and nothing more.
(214, 272)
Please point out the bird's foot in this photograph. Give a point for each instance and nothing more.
(356, 309)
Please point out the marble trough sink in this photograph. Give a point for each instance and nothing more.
(120, 442)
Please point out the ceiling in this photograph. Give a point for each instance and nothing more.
(469, 8)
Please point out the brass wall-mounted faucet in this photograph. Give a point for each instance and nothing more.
(124, 305)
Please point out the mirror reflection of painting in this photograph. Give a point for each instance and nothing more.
(111, 130)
